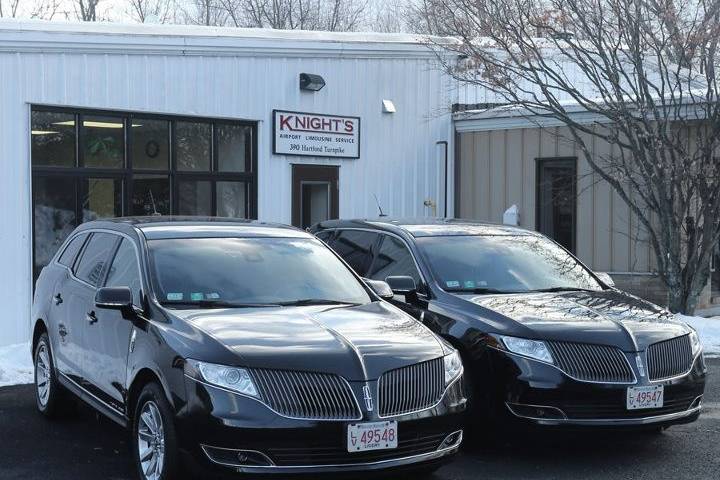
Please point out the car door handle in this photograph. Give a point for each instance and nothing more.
(91, 318)
(58, 299)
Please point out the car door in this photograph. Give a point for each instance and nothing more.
(107, 340)
(393, 258)
(88, 272)
(66, 333)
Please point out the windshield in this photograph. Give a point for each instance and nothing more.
(504, 264)
(250, 272)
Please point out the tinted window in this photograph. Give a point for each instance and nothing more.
(250, 271)
(53, 139)
(393, 259)
(355, 246)
(124, 270)
(94, 257)
(68, 256)
(325, 235)
(505, 263)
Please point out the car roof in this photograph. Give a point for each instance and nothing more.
(428, 227)
(166, 227)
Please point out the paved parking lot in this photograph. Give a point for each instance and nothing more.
(82, 447)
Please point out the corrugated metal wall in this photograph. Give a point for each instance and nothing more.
(497, 169)
(400, 161)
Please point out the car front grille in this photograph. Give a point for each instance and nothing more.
(592, 363)
(669, 358)
(307, 395)
(412, 388)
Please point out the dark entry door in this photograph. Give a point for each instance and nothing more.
(556, 200)
(314, 194)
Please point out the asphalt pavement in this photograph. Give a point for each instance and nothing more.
(84, 446)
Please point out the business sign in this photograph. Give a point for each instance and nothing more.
(315, 135)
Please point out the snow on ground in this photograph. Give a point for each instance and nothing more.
(709, 331)
(16, 365)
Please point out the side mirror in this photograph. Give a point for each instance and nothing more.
(605, 278)
(115, 298)
(402, 285)
(381, 288)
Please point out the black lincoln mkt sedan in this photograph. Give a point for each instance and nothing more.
(241, 346)
(544, 340)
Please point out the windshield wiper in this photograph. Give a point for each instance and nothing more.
(480, 291)
(219, 304)
(315, 301)
(560, 289)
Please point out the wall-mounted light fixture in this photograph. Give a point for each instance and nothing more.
(311, 82)
(388, 106)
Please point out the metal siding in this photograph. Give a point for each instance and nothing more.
(399, 159)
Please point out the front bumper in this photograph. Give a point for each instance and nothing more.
(541, 394)
(229, 432)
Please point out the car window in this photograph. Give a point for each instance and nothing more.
(393, 259)
(325, 235)
(124, 270)
(68, 255)
(355, 247)
(94, 257)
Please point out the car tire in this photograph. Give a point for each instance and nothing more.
(50, 396)
(155, 445)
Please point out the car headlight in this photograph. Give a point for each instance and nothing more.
(230, 378)
(695, 342)
(453, 366)
(528, 348)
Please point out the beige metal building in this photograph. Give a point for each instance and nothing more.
(503, 160)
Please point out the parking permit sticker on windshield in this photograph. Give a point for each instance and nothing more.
(212, 296)
(174, 296)
(452, 283)
(469, 284)
(195, 296)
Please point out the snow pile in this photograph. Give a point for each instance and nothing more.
(709, 331)
(16, 365)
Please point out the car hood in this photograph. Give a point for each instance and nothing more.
(606, 317)
(358, 342)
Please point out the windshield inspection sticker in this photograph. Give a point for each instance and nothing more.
(195, 296)
(469, 284)
(212, 296)
(174, 296)
(452, 283)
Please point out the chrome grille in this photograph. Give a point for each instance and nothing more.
(307, 395)
(411, 388)
(592, 363)
(669, 358)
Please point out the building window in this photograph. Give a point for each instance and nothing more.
(89, 164)
(556, 207)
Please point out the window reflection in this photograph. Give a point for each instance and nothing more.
(54, 204)
(102, 198)
(103, 141)
(192, 144)
(150, 144)
(194, 198)
(231, 199)
(53, 139)
(150, 195)
(233, 142)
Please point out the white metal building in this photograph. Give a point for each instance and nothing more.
(108, 120)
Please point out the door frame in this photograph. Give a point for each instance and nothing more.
(302, 172)
(539, 164)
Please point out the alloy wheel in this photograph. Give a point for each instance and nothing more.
(42, 375)
(151, 441)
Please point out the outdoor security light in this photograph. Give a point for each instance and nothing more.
(311, 82)
(388, 106)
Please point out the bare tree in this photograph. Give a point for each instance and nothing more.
(640, 75)
(152, 11)
(86, 10)
(9, 8)
(205, 12)
(42, 9)
(329, 15)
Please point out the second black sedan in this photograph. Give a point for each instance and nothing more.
(248, 347)
(544, 339)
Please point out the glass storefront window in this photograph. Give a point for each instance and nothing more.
(230, 198)
(102, 198)
(195, 197)
(233, 143)
(150, 144)
(192, 146)
(150, 195)
(103, 141)
(54, 205)
(53, 139)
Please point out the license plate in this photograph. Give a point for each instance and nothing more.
(372, 436)
(645, 397)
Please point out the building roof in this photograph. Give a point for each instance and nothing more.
(104, 37)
